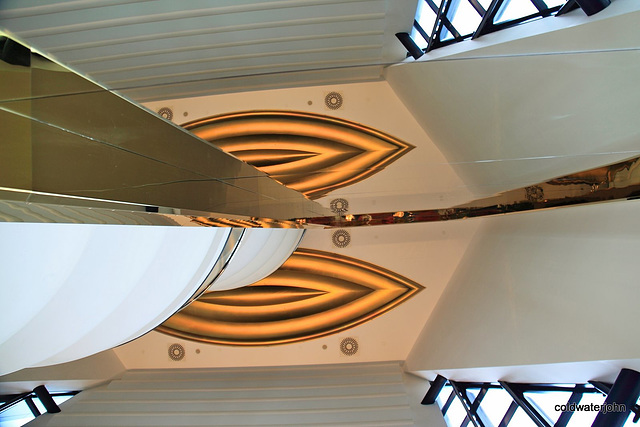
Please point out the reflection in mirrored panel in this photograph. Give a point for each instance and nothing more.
(56, 145)
(619, 181)
(69, 136)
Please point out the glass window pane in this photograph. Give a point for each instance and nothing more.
(445, 34)
(495, 404)
(19, 414)
(521, 419)
(425, 17)
(514, 9)
(629, 421)
(443, 396)
(466, 19)
(456, 413)
(39, 405)
(546, 401)
(485, 3)
(585, 418)
(417, 37)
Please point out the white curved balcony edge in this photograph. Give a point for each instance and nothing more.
(71, 290)
(260, 252)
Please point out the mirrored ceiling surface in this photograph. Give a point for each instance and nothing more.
(65, 135)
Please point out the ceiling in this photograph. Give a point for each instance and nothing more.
(428, 253)
(165, 49)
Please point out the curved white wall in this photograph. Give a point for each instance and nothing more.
(260, 252)
(70, 290)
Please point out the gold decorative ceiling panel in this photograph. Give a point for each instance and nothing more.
(307, 152)
(313, 294)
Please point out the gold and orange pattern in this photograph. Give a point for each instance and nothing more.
(310, 153)
(313, 294)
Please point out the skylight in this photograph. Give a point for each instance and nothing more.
(17, 410)
(491, 404)
(441, 22)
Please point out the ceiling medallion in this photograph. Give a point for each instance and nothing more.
(313, 294)
(176, 352)
(341, 238)
(310, 153)
(333, 100)
(349, 346)
(166, 113)
(339, 206)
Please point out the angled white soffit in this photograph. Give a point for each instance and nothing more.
(165, 49)
(534, 102)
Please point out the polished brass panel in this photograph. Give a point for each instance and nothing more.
(310, 153)
(617, 181)
(313, 294)
(66, 135)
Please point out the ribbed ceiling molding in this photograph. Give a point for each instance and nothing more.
(354, 394)
(134, 44)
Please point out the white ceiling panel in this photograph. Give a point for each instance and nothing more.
(131, 45)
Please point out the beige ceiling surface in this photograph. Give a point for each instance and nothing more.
(168, 49)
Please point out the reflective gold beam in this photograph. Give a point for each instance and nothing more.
(617, 181)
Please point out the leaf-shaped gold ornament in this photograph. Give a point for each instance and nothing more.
(313, 294)
(310, 153)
